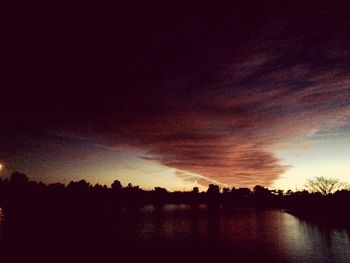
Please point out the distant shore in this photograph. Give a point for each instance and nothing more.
(326, 217)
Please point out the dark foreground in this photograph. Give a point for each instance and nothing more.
(170, 233)
(80, 222)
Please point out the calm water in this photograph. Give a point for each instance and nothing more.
(271, 233)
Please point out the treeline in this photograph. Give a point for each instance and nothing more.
(18, 189)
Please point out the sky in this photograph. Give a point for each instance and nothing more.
(177, 95)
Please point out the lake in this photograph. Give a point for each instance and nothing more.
(181, 232)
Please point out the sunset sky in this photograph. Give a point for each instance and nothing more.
(178, 95)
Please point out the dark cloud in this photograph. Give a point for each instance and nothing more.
(205, 90)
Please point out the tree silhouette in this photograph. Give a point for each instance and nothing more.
(19, 178)
(325, 185)
(195, 190)
(261, 191)
(116, 186)
(213, 194)
(79, 187)
(213, 190)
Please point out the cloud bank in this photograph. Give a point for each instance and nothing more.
(220, 116)
(209, 93)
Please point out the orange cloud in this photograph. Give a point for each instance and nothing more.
(221, 116)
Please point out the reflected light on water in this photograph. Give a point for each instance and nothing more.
(272, 232)
(323, 244)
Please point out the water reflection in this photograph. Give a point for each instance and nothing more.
(319, 243)
(197, 232)
(275, 233)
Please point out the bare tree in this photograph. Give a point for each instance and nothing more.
(325, 185)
